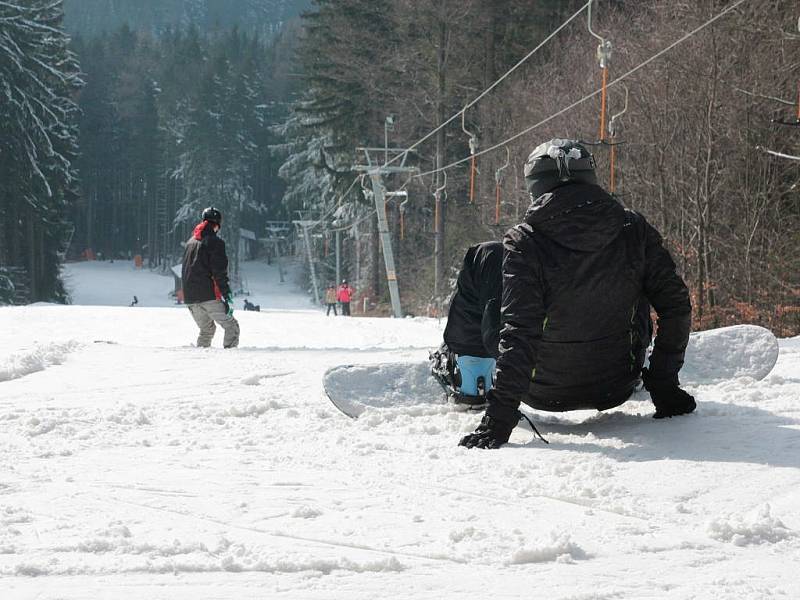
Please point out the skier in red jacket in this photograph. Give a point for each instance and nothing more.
(344, 294)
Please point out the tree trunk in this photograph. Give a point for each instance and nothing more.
(441, 202)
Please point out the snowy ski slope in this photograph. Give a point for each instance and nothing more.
(135, 466)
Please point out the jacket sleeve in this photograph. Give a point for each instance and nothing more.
(218, 263)
(522, 317)
(669, 296)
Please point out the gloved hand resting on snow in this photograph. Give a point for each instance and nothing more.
(669, 399)
(490, 434)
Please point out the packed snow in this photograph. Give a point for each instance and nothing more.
(137, 466)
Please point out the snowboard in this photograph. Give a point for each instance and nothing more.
(711, 357)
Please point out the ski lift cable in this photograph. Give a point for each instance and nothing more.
(353, 224)
(778, 154)
(336, 205)
(590, 95)
(497, 82)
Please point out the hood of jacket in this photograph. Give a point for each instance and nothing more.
(203, 229)
(579, 216)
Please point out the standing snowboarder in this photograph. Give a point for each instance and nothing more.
(345, 295)
(578, 277)
(466, 360)
(206, 289)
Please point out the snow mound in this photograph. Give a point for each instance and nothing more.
(560, 549)
(758, 527)
(37, 359)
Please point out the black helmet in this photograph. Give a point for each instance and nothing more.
(212, 215)
(557, 162)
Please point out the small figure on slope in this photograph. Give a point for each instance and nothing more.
(344, 295)
(579, 275)
(206, 290)
(330, 300)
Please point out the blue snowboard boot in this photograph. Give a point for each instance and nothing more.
(476, 375)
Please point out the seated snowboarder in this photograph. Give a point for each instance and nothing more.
(578, 277)
(465, 363)
(249, 306)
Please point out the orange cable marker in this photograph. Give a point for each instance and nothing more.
(603, 106)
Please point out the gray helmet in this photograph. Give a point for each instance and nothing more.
(213, 215)
(558, 162)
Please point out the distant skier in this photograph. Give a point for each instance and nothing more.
(344, 295)
(330, 300)
(466, 360)
(578, 274)
(249, 306)
(206, 289)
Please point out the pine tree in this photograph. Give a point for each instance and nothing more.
(39, 76)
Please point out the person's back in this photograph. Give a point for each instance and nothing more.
(204, 275)
(204, 272)
(577, 277)
(588, 254)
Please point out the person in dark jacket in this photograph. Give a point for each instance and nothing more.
(206, 289)
(465, 362)
(579, 276)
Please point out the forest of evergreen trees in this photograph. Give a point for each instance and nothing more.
(179, 104)
(39, 79)
(169, 125)
(262, 17)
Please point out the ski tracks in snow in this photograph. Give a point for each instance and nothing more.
(177, 466)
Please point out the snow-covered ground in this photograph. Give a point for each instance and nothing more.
(116, 283)
(135, 466)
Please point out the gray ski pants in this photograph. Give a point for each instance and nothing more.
(205, 314)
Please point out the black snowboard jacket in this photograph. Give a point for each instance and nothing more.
(473, 320)
(205, 266)
(577, 276)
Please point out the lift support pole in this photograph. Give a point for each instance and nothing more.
(376, 173)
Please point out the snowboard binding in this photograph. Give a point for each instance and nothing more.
(463, 378)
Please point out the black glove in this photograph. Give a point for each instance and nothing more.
(490, 434)
(667, 396)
